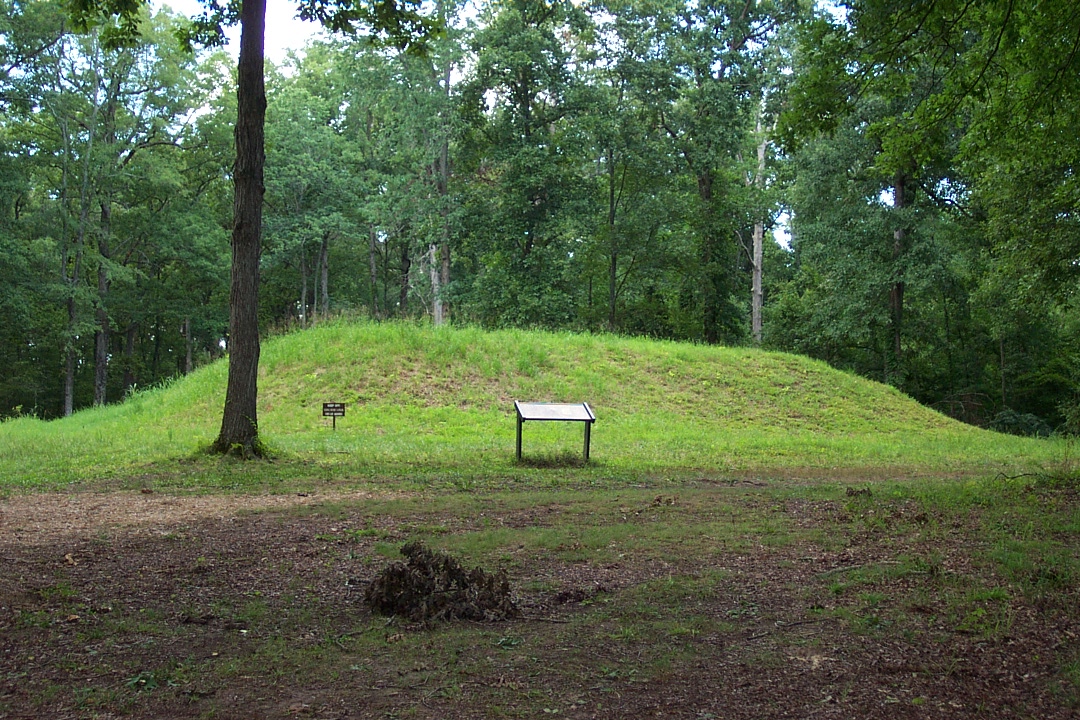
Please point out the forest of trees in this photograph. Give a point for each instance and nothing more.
(610, 165)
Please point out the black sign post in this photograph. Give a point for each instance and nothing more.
(333, 410)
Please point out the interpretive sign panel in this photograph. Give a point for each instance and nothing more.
(569, 412)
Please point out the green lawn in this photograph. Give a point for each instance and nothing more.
(436, 406)
(757, 525)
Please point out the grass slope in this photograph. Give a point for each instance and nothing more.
(437, 404)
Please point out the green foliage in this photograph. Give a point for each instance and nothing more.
(569, 167)
(977, 251)
(1010, 421)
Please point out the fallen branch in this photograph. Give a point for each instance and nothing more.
(849, 568)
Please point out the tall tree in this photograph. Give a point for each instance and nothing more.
(239, 424)
(517, 101)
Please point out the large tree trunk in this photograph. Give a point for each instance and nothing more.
(239, 422)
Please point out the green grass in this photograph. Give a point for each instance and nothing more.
(436, 405)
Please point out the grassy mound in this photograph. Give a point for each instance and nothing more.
(431, 403)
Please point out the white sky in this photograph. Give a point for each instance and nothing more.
(283, 31)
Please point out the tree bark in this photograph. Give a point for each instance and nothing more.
(70, 278)
(303, 287)
(711, 299)
(613, 265)
(239, 422)
(441, 312)
(187, 346)
(757, 261)
(155, 361)
(1001, 355)
(324, 275)
(129, 357)
(436, 290)
(101, 313)
(444, 275)
(69, 359)
(373, 261)
(101, 332)
(406, 264)
(901, 199)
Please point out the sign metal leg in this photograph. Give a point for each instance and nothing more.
(519, 439)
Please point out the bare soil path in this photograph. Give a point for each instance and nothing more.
(151, 605)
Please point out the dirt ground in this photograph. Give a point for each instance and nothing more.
(167, 606)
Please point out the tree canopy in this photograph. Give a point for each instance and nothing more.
(611, 166)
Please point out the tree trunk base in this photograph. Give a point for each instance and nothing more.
(252, 449)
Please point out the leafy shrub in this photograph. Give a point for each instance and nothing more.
(1014, 423)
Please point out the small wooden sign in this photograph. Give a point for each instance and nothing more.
(333, 410)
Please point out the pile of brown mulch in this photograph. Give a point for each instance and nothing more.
(433, 586)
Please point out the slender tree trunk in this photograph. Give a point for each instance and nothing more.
(101, 332)
(406, 264)
(386, 279)
(613, 264)
(711, 299)
(758, 259)
(239, 422)
(80, 246)
(373, 261)
(129, 357)
(68, 275)
(69, 360)
(188, 343)
(444, 274)
(436, 290)
(441, 311)
(324, 275)
(901, 199)
(757, 295)
(155, 361)
(1001, 355)
(303, 287)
